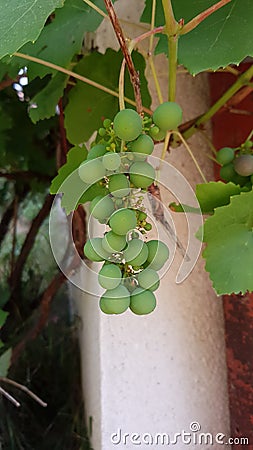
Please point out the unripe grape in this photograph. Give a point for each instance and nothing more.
(107, 123)
(111, 161)
(168, 116)
(101, 207)
(119, 185)
(142, 301)
(113, 243)
(96, 151)
(243, 165)
(91, 171)
(143, 144)
(94, 251)
(157, 134)
(122, 221)
(136, 252)
(148, 279)
(225, 155)
(158, 254)
(142, 174)
(109, 276)
(102, 132)
(227, 172)
(127, 125)
(115, 301)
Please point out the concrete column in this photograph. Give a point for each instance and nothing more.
(165, 372)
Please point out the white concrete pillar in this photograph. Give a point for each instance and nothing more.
(162, 372)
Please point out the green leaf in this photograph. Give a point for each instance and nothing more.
(213, 194)
(229, 251)
(212, 43)
(43, 105)
(3, 317)
(76, 155)
(88, 105)
(5, 362)
(62, 38)
(22, 22)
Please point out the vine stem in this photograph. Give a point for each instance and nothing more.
(150, 54)
(192, 155)
(171, 30)
(76, 76)
(202, 16)
(24, 389)
(240, 82)
(123, 65)
(134, 76)
(96, 8)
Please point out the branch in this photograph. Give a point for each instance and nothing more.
(24, 389)
(46, 300)
(134, 76)
(24, 175)
(202, 16)
(9, 212)
(77, 76)
(29, 241)
(8, 82)
(221, 102)
(9, 397)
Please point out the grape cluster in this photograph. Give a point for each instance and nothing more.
(118, 161)
(237, 164)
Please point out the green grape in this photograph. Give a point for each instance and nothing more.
(130, 283)
(148, 279)
(119, 185)
(109, 276)
(142, 215)
(148, 226)
(101, 207)
(96, 151)
(157, 134)
(127, 124)
(142, 174)
(225, 155)
(168, 116)
(143, 144)
(115, 301)
(122, 221)
(136, 252)
(142, 301)
(158, 254)
(227, 172)
(107, 123)
(243, 165)
(94, 251)
(113, 243)
(91, 171)
(111, 161)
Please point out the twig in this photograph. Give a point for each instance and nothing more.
(29, 241)
(6, 219)
(24, 175)
(96, 8)
(192, 155)
(202, 16)
(134, 76)
(24, 389)
(9, 397)
(45, 303)
(221, 102)
(14, 235)
(76, 76)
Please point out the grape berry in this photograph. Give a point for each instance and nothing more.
(237, 164)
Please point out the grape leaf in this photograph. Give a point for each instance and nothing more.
(5, 362)
(62, 38)
(43, 104)
(87, 104)
(229, 251)
(211, 44)
(213, 194)
(22, 21)
(75, 156)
